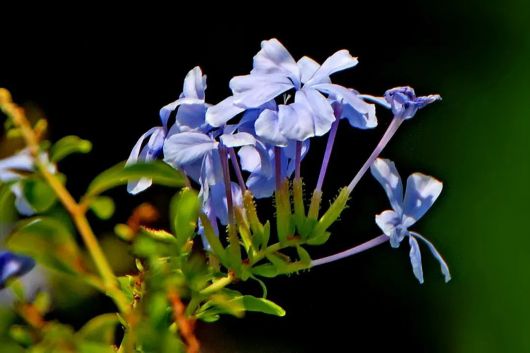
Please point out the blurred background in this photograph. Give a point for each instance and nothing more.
(104, 75)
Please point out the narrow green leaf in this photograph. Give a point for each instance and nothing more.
(160, 172)
(102, 206)
(100, 329)
(49, 242)
(67, 146)
(184, 212)
(262, 305)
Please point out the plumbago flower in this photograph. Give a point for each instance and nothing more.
(13, 265)
(421, 192)
(189, 117)
(276, 72)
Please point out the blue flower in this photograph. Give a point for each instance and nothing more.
(421, 192)
(190, 115)
(275, 72)
(405, 104)
(13, 265)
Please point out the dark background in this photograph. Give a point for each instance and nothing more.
(104, 75)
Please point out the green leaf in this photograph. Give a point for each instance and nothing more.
(38, 193)
(8, 213)
(262, 305)
(100, 329)
(103, 207)
(67, 146)
(160, 172)
(265, 270)
(184, 211)
(233, 303)
(49, 242)
(93, 347)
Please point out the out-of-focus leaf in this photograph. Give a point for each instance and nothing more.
(93, 347)
(184, 212)
(233, 303)
(261, 305)
(100, 329)
(160, 172)
(67, 146)
(124, 232)
(102, 206)
(38, 193)
(21, 335)
(42, 302)
(49, 242)
(8, 213)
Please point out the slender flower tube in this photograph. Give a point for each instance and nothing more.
(350, 252)
(329, 149)
(235, 165)
(278, 167)
(390, 131)
(298, 159)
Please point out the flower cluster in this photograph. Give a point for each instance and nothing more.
(264, 130)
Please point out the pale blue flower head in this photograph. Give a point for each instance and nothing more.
(405, 104)
(421, 192)
(13, 265)
(189, 113)
(275, 73)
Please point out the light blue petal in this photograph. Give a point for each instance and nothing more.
(261, 186)
(166, 111)
(378, 100)
(296, 121)
(184, 148)
(388, 221)
(385, 172)
(415, 259)
(22, 161)
(422, 190)
(211, 169)
(219, 202)
(256, 159)
(194, 84)
(443, 265)
(308, 67)
(191, 117)
(346, 95)
(323, 116)
(238, 139)
(360, 120)
(149, 152)
(274, 58)
(22, 205)
(268, 128)
(339, 61)
(252, 91)
(222, 112)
